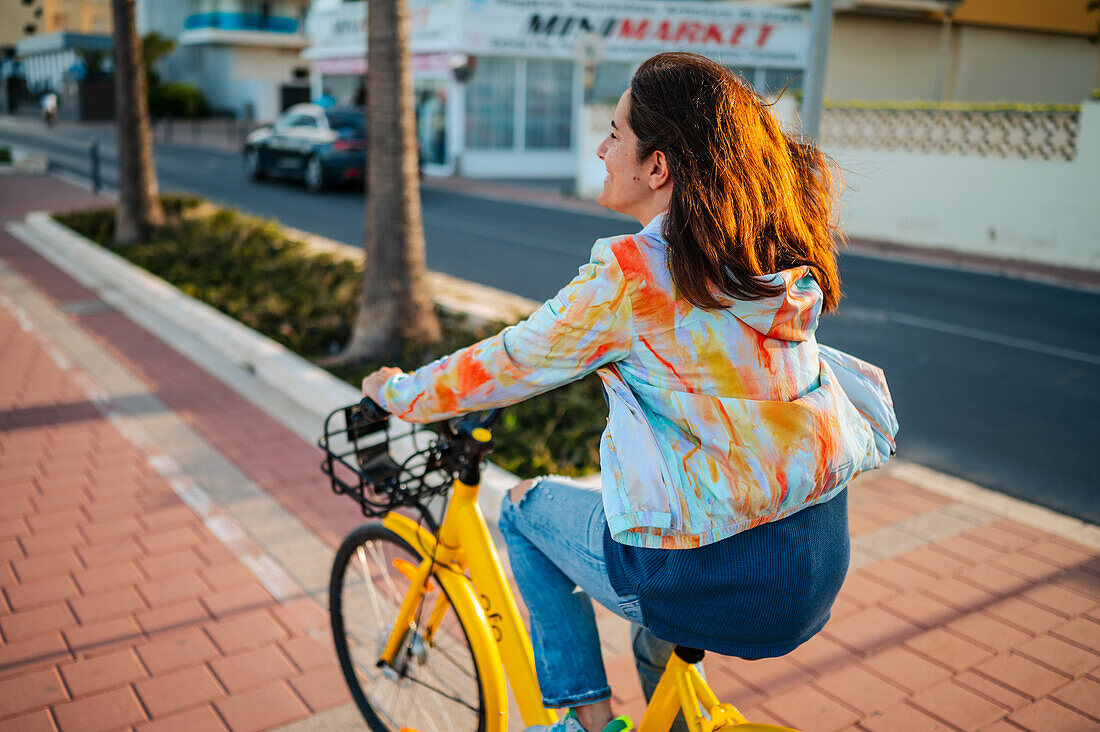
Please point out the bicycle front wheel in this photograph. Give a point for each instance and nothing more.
(431, 686)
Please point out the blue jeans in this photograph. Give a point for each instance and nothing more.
(555, 542)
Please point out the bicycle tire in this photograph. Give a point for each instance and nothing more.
(382, 695)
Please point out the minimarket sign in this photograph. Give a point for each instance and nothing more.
(735, 34)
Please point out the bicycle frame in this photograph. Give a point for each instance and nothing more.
(500, 641)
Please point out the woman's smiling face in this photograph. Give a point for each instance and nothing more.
(626, 186)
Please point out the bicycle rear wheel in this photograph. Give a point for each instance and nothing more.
(432, 687)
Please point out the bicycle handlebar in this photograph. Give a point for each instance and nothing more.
(372, 411)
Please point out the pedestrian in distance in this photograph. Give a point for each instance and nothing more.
(48, 103)
(721, 523)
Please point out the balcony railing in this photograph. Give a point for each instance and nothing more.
(241, 22)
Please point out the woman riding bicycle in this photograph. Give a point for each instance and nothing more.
(722, 519)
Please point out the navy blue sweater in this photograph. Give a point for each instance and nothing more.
(759, 593)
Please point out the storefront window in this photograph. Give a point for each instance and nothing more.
(609, 81)
(549, 115)
(776, 79)
(490, 105)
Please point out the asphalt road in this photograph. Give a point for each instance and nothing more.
(995, 379)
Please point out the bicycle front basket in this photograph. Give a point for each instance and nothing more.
(381, 463)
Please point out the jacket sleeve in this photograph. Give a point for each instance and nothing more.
(585, 326)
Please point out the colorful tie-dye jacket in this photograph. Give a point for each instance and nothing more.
(719, 420)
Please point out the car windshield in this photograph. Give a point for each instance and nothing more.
(347, 124)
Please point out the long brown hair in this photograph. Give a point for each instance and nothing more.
(747, 199)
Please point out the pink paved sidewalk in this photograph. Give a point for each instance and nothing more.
(119, 607)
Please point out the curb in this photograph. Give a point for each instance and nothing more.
(312, 389)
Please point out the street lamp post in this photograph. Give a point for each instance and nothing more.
(821, 24)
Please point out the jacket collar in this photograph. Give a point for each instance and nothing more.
(654, 227)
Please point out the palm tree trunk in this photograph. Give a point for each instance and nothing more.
(139, 210)
(394, 304)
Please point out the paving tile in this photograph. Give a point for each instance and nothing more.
(302, 616)
(102, 672)
(112, 530)
(322, 688)
(962, 596)
(29, 691)
(1060, 553)
(172, 617)
(178, 650)
(958, 705)
(864, 589)
(186, 586)
(1045, 715)
(1025, 615)
(821, 654)
(921, 609)
(769, 675)
(1027, 566)
(229, 602)
(45, 565)
(170, 564)
(899, 575)
(249, 669)
(167, 693)
(870, 630)
(268, 706)
(992, 690)
(53, 541)
(993, 579)
(808, 708)
(170, 540)
(995, 536)
(101, 712)
(934, 560)
(87, 638)
(37, 651)
(948, 649)
(110, 553)
(48, 619)
(988, 631)
(1082, 694)
(860, 689)
(39, 721)
(903, 666)
(904, 718)
(100, 579)
(1024, 675)
(1060, 655)
(41, 592)
(246, 631)
(56, 520)
(1059, 600)
(1082, 631)
(106, 605)
(227, 576)
(1082, 582)
(200, 718)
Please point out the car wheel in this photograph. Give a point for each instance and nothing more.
(253, 168)
(315, 175)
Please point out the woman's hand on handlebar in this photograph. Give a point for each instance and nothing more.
(373, 383)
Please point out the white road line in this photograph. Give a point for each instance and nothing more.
(914, 321)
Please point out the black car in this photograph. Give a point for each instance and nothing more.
(319, 146)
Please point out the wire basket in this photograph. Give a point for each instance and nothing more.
(383, 465)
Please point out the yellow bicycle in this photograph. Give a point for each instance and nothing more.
(425, 624)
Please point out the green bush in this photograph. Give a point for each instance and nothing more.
(5, 155)
(246, 268)
(177, 100)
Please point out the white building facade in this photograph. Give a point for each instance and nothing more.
(240, 54)
(535, 65)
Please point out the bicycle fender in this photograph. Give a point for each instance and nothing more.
(490, 666)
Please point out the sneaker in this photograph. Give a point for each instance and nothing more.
(569, 723)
